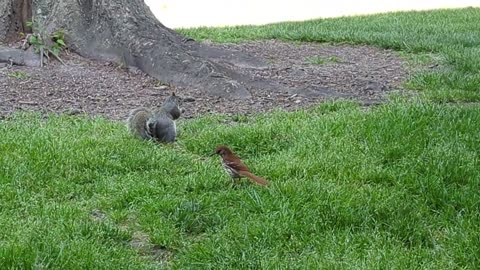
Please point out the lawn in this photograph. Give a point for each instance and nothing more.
(392, 187)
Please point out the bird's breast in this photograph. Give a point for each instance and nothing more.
(232, 172)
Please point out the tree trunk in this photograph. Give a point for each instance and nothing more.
(13, 15)
(126, 31)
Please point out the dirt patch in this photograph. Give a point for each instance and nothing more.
(141, 242)
(312, 73)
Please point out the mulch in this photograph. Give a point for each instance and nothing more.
(321, 71)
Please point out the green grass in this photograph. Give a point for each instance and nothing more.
(453, 34)
(392, 187)
(19, 75)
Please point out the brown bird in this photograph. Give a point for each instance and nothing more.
(235, 167)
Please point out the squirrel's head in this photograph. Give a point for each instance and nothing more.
(174, 99)
(173, 105)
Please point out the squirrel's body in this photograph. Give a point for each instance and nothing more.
(157, 125)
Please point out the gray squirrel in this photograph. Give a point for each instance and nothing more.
(158, 125)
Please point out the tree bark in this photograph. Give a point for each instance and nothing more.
(13, 16)
(126, 31)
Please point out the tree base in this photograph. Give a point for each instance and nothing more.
(127, 32)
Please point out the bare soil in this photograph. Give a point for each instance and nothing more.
(313, 73)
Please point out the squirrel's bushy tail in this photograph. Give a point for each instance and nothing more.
(137, 123)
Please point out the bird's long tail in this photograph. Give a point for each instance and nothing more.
(256, 179)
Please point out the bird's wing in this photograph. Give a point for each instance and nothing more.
(236, 164)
